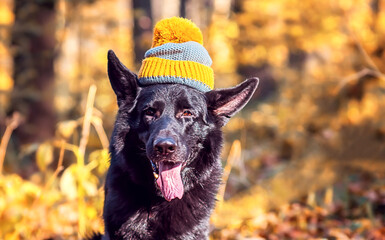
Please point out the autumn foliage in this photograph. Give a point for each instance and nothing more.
(304, 160)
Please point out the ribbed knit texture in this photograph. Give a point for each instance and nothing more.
(177, 56)
(159, 70)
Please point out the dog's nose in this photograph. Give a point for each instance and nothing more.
(165, 145)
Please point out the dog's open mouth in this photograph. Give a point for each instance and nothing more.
(168, 178)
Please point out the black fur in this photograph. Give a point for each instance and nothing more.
(191, 122)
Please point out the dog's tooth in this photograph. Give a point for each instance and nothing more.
(155, 175)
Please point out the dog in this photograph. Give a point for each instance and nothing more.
(165, 169)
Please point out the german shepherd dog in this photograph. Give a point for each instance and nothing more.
(165, 169)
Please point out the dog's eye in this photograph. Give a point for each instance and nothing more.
(149, 112)
(186, 113)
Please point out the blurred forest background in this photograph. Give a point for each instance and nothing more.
(304, 160)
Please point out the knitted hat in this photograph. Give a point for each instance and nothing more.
(177, 56)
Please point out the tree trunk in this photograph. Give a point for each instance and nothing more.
(197, 11)
(165, 9)
(142, 28)
(33, 40)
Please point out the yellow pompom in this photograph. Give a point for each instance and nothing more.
(176, 30)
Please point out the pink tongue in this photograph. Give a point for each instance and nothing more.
(170, 181)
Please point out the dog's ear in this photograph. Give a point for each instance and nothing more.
(225, 103)
(123, 81)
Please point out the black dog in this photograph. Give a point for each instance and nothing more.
(165, 169)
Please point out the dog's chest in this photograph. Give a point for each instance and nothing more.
(166, 221)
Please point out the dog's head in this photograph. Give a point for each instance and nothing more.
(173, 121)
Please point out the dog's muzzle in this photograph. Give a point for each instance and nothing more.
(167, 169)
